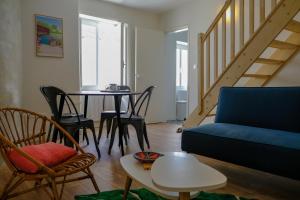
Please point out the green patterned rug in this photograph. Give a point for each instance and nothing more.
(143, 194)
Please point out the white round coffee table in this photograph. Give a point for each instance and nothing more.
(191, 170)
(184, 173)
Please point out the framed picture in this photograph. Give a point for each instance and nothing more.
(49, 36)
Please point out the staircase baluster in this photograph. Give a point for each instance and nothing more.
(251, 17)
(273, 4)
(201, 70)
(216, 70)
(242, 23)
(224, 41)
(207, 63)
(232, 32)
(262, 13)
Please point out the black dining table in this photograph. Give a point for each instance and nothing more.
(117, 94)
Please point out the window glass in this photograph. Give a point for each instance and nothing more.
(181, 65)
(89, 54)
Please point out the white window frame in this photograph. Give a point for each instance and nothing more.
(123, 49)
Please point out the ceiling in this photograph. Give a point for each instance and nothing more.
(157, 6)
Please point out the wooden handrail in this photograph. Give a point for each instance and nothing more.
(216, 20)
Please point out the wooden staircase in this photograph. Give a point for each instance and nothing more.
(251, 58)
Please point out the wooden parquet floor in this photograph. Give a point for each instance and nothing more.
(163, 137)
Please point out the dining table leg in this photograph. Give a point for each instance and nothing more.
(86, 99)
(118, 99)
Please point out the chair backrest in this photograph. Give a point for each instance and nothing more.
(142, 102)
(23, 127)
(51, 95)
(19, 128)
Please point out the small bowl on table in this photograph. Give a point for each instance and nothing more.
(147, 158)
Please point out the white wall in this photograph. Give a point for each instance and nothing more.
(170, 64)
(119, 13)
(197, 16)
(10, 53)
(61, 72)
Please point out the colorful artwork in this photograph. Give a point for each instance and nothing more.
(49, 36)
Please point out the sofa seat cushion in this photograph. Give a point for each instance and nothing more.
(251, 134)
(49, 154)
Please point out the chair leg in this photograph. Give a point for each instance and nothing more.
(139, 128)
(100, 129)
(76, 135)
(108, 126)
(93, 180)
(49, 131)
(55, 134)
(85, 136)
(125, 134)
(7, 186)
(146, 136)
(54, 189)
(95, 140)
(112, 137)
(71, 131)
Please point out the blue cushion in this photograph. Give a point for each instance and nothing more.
(269, 107)
(251, 134)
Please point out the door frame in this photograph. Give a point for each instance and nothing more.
(174, 30)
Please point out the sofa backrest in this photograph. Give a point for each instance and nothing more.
(265, 107)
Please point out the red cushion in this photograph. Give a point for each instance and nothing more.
(50, 154)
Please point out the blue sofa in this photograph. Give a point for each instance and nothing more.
(254, 127)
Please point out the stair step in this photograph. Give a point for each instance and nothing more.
(293, 26)
(256, 76)
(269, 61)
(283, 45)
(211, 115)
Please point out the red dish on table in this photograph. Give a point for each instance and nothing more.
(147, 157)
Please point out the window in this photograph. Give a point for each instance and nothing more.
(103, 55)
(89, 51)
(181, 65)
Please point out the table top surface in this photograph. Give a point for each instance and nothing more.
(185, 173)
(135, 170)
(103, 93)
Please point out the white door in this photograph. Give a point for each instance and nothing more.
(150, 70)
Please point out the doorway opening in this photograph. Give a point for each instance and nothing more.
(177, 45)
(181, 79)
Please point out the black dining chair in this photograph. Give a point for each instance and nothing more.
(54, 106)
(136, 118)
(108, 115)
(72, 121)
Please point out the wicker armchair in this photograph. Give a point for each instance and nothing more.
(19, 128)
